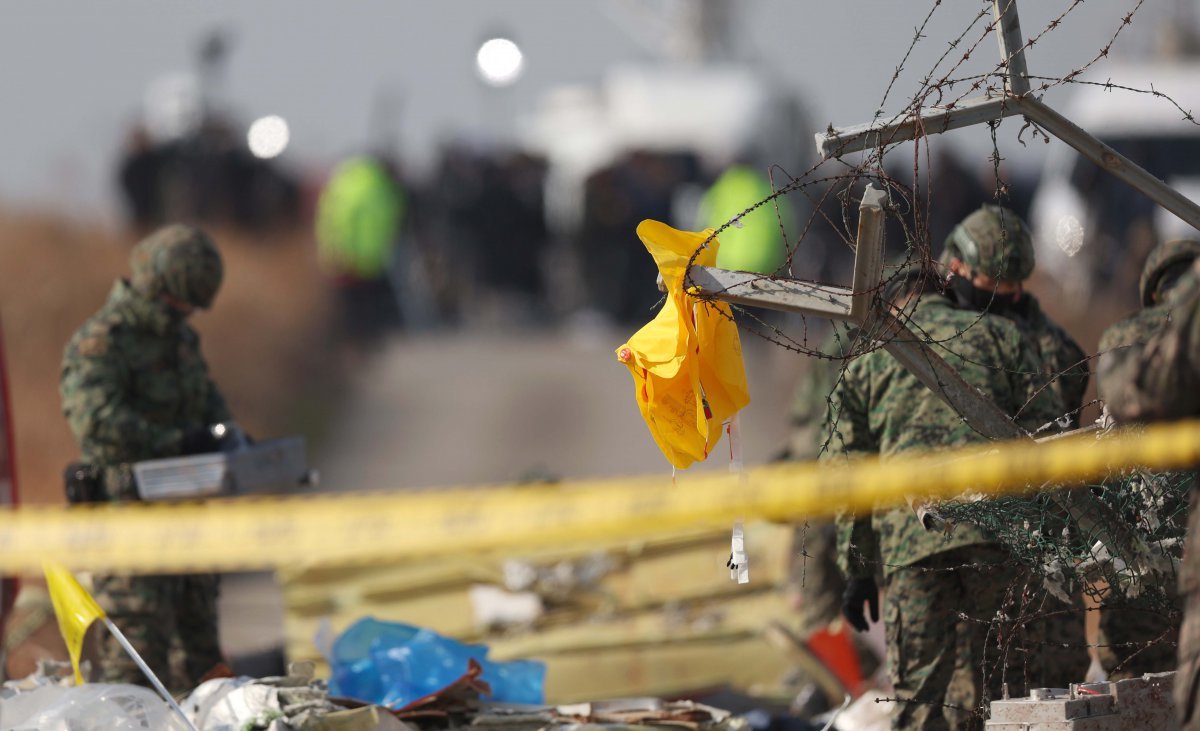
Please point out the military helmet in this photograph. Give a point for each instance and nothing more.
(178, 260)
(993, 241)
(1162, 258)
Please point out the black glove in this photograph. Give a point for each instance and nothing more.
(199, 441)
(857, 592)
(230, 437)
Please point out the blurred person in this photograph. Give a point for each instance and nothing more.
(227, 183)
(607, 221)
(943, 195)
(207, 174)
(254, 193)
(139, 179)
(429, 256)
(359, 214)
(134, 387)
(618, 275)
(754, 242)
(990, 255)
(815, 583)
(512, 238)
(943, 591)
(1122, 343)
(448, 225)
(1161, 381)
(826, 251)
(1133, 639)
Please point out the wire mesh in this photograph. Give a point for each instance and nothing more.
(1066, 567)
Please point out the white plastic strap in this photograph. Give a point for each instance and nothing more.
(739, 564)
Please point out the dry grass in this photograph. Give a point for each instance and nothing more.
(264, 338)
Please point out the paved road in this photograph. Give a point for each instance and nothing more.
(491, 407)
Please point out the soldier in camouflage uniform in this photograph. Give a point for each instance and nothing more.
(815, 579)
(990, 255)
(135, 386)
(815, 583)
(1121, 344)
(945, 592)
(1162, 381)
(1133, 639)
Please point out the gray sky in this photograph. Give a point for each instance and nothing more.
(73, 74)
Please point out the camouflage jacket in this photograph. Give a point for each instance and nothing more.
(810, 402)
(1158, 377)
(133, 382)
(1063, 361)
(1121, 346)
(881, 408)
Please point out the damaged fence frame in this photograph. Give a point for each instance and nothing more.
(860, 306)
(1016, 99)
(856, 305)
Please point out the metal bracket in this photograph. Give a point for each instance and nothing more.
(789, 295)
(1016, 100)
(861, 307)
(1012, 48)
(842, 141)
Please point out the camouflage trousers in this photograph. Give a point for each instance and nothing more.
(963, 624)
(1187, 673)
(814, 574)
(170, 620)
(1137, 639)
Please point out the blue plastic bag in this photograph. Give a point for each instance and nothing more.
(516, 681)
(394, 664)
(352, 670)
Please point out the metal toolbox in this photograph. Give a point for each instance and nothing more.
(266, 467)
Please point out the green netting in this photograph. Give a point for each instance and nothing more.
(1077, 554)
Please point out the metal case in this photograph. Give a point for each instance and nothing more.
(271, 466)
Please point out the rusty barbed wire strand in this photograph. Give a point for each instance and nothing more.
(1052, 546)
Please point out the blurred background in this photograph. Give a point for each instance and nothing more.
(428, 209)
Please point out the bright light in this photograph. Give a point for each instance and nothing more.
(268, 136)
(499, 61)
(1069, 235)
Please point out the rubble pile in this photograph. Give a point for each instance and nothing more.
(49, 701)
(1133, 704)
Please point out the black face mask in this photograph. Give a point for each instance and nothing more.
(969, 297)
(174, 315)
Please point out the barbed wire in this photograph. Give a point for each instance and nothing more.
(1067, 570)
(901, 200)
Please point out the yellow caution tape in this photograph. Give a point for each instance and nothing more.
(346, 528)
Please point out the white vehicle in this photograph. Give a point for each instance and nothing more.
(1091, 228)
(713, 110)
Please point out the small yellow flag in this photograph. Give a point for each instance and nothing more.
(75, 609)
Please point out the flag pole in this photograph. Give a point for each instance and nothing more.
(146, 669)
